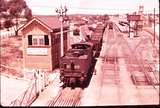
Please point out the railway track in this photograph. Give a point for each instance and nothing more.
(139, 66)
(110, 65)
(110, 69)
(67, 97)
(149, 71)
(140, 73)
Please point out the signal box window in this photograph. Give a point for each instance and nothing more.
(35, 42)
(29, 39)
(38, 40)
(41, 41)
(46, 39)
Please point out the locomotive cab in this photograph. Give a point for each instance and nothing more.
(75, 64)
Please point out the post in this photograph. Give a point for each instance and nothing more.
(1, 26)
(36, 82)
(16, 30)
(154, 28)
(136, 28)
(129, 28)
(62, 45)
(62, 15)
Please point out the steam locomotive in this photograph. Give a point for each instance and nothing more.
(75, 64)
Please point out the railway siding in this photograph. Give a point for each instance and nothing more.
(67, 97)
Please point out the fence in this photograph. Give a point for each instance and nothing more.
(37, 86)
(39, 81)
(10, 31)
(5, 33)
(27, 97)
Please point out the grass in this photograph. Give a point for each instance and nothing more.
(11, 56)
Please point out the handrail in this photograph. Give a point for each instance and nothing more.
(20, 101)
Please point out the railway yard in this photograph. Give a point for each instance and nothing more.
(78, 53)
(125, 73)
(122, 78)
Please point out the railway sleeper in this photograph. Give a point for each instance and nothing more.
(139, 80)
(143, 80)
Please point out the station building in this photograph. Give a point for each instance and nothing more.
(41, 42)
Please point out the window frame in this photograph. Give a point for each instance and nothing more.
(38, 40)
(30, 41)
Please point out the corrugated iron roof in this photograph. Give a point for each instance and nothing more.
(49, 20)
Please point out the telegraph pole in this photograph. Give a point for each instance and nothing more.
(62, 15)
(154, 28)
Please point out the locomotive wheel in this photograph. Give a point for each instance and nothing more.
(81, 83)
(67, 81)
(72, 85)
(70, 82)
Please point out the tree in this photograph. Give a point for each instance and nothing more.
(28, 14)
(18, 9)
(3, 8)
(8, 23)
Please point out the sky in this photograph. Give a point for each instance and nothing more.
(47, 7)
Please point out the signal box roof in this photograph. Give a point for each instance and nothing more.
(48, 21)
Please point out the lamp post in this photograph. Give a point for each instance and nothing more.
(62, 15)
